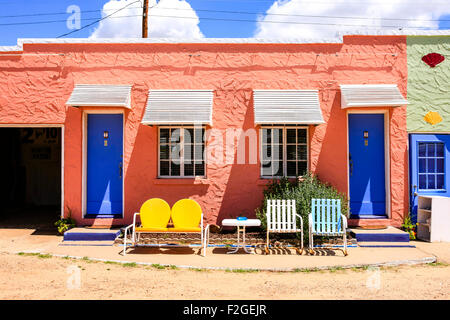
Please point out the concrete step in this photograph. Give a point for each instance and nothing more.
(91, 234)
(87, 243)
(380, 244)
(389, 234)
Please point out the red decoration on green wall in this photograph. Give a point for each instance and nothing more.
(433, 59)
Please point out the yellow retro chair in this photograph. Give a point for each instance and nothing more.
(186, 215)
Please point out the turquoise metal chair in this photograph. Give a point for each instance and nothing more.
(326, 220)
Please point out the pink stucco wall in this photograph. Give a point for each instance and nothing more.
(34, 89)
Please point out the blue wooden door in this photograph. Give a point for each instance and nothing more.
(104, 165)
(429, 163)
(366, 166)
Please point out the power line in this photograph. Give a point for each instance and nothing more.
(212, 19)
(239, 12)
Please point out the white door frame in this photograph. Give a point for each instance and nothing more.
(387, 167)
(50, 125)
(87, 111)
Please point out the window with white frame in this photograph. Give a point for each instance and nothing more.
(181, 151)
(284, 151)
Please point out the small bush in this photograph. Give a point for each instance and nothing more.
(65, 224)
(302, 191)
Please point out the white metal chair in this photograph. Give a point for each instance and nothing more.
(326, 219)
(282, 218)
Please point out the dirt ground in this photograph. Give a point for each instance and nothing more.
(43, 277)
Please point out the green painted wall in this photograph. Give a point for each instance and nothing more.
(428, 88)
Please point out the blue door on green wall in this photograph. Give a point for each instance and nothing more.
(104, 165)
(367, 166)
(429, 163)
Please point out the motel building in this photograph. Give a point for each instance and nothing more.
(93, 128)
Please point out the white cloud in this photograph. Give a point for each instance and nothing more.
(162, 22)
(372, 10)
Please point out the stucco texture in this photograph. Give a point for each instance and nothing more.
(34, 89)
(428, 88)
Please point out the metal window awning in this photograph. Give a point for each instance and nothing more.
(99, 95)
(371, 95)
(287, 107)
(179, 107)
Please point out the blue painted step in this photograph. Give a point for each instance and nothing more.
(86, 234)
(389, 234)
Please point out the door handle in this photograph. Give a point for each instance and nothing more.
(350, 161)
(120, 170)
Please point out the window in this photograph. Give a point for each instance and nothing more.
(284, 151)
(181, 151)
(431, 165)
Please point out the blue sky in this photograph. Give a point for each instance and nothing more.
(91, 10)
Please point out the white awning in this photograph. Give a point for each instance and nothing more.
(287, 107)
(99, 95)
(179, 107)
(371, 95)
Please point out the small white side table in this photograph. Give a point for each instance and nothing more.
(241, 224)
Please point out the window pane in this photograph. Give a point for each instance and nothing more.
(277, 153)
(302, 168)
(164, 168)
(291, 135)
(439, 149)
(175, 152)
(175, 135)
(277, 135)
(431, 167)
(291, 168)
(266, 152)
(189, 169)
(278, 168)
(422, 181)
(440, 165)
(431, 179)
(199, 135)
(267, 169)
(291, 152)
(266, 135)
(422, 149)
(440, 181)
(301, 135)
(188, 152)
(188, 136)
(302, 152)
(430, 149)
(199, 151)
(174, 169)
(164, 152)
(422, 165)
(199, 168)
(163, 135)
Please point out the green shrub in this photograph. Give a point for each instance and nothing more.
(302, 191)
(65, 224)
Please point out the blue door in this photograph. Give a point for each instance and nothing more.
(104, 165)
(366, 166)
(429, 158)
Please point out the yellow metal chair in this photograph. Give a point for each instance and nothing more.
(186, 215)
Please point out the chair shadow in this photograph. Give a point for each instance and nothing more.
(258, 250)
(324, 252)
(162, 250)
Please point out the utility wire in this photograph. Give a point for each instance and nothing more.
(238, 12)
(212, 19)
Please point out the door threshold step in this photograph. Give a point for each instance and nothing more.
(91, 234)
(390, 234)
(103, 216)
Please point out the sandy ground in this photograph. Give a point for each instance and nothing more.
(28, 276)
(33, 277)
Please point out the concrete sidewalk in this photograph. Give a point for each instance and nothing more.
(28, 240)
